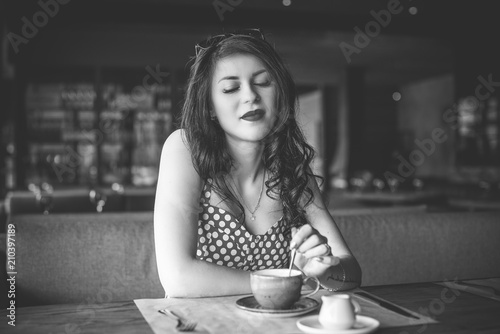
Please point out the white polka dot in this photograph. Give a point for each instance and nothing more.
(223, 240)
(207, 194)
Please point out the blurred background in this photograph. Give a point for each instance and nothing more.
(399, 98)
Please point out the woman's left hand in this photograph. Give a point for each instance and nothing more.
(313, 253)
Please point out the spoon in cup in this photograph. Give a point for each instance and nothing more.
(292, 259)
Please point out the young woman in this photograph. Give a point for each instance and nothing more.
(235, 192)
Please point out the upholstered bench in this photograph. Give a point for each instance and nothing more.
(84, 258)
(94, 258)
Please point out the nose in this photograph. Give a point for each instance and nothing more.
(250, 95)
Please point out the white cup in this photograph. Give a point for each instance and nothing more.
(338, 311)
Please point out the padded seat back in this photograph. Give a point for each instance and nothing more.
(95, 258)
(85, 258)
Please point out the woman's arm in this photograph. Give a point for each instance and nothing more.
(340, 271)
(176, 228)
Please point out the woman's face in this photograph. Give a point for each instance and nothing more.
(243, 97)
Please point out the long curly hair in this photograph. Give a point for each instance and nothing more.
(286, 155)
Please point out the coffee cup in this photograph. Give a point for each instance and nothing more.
(277, 289)
(338, 311)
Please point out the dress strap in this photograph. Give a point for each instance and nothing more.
(206, 192)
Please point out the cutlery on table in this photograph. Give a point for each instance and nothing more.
(385, 304)
(183, 325)
(480, 286)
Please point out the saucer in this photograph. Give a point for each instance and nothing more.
(303, 306)
(362, 325)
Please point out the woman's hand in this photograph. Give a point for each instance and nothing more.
(313, 252)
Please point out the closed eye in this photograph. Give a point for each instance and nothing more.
(230, 90)
(263, 83)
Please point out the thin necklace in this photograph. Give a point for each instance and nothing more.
(252, 217)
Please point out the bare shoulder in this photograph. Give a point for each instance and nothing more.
(176, 164)
(176, 142)
(176, 151)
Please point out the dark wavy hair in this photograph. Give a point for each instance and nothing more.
(286, 154)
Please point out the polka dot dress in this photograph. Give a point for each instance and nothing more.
(223, 240)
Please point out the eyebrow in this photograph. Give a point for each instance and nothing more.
(236, 78)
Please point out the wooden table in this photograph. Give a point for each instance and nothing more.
(455, 312)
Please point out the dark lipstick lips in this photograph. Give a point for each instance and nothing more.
(253, 115)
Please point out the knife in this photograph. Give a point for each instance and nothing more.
(485, 288)
(385, 304)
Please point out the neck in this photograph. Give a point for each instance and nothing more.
(248, 164)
